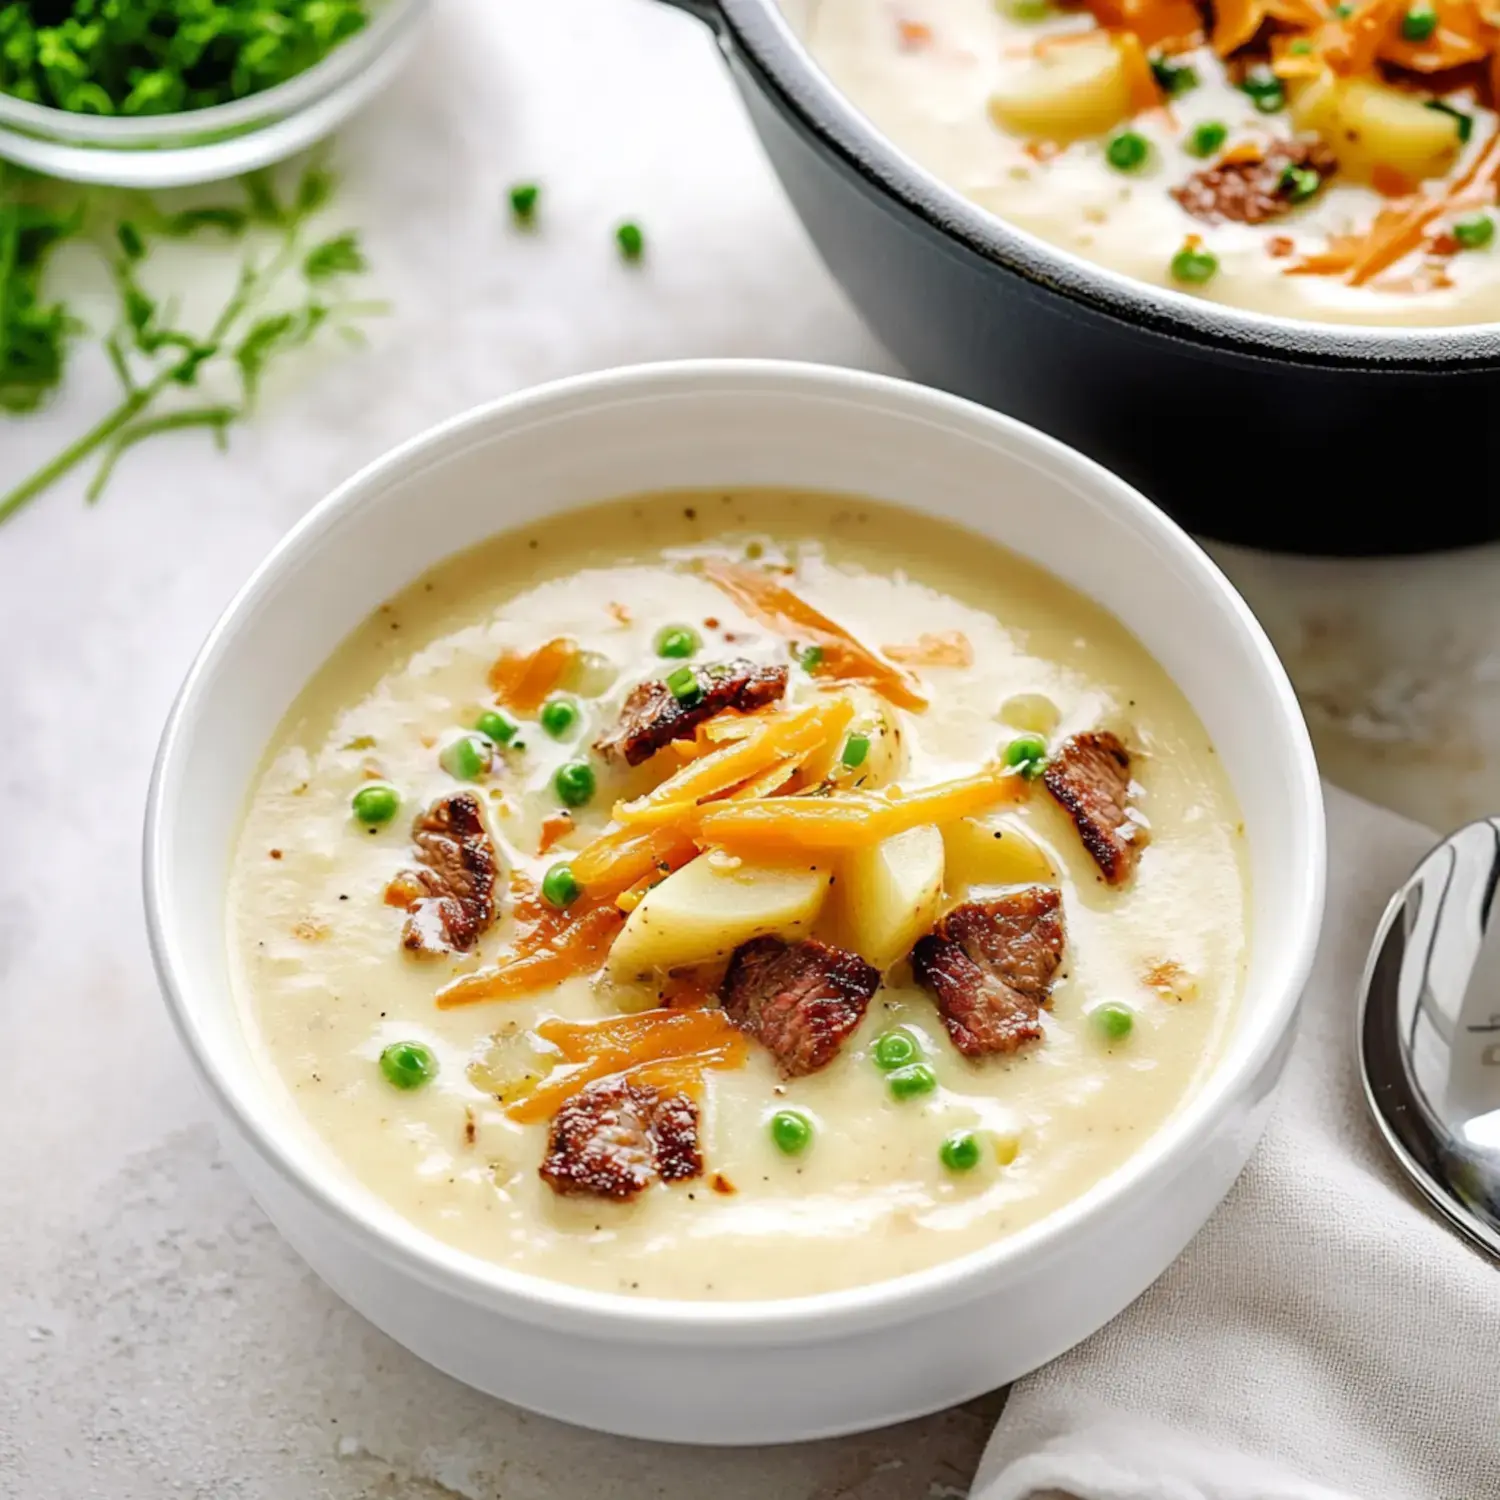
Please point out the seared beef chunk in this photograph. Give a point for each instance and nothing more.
(799, 1000)
(614, 1139)
(653, 715)
(1090, 777)
(1254, 191)
(453, 893)
(989, 965)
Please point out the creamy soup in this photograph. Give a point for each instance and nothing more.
(1289, 157)
(892, 982)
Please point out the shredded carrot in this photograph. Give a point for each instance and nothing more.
(1349, 44)
(778, 608)
(1145, 94)
(621, 1044)
(580, 947)
(1168, 25)
(1459, 39)
(1390, 183)
(1399, 229)
(555, 826)
(404, 890)
(522, 679)
(783, 828)
(683, 993)
(1243, 153)
(1402, 233)
(796, 732)
(632, 896)
(950, 648)
(616, 860)
(913, 35)
(773, 779)
(625, 1040)
(732, 725)
(1237, 21)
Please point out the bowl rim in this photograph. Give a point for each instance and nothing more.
(401, 1244)
(759, 37)
(122, 132)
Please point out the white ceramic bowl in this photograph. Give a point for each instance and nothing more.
(736, 1372)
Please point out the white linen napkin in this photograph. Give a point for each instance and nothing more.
(1327, 1336)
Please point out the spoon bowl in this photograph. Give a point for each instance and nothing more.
(1429, 1030)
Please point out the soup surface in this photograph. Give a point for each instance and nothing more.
(852, 1112)
(1290, 157)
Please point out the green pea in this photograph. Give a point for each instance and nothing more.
(408, 1065)
(684, 686)
(1127, 151)
(558, 716)
(895, 1049)
(1475, 233)
(631, 241)
(523, 199)
(468, 758)
(810, 659)
(678, 640)
(575, 783)
(908, 1082)
(375, 803)
(856, 748)
(962, 1151)
(560, 887)
(792, 1131)
(1113, 1021)
(1264, 89)
(1027, 753)
(1173, 78)
(1419, 22)
(1194, 265)
(497, 726)
(1298, 184)
(1207, 138)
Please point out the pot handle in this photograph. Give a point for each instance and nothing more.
(706, 11)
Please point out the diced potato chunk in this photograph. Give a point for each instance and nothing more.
(1035, 713)
(1368, 124)
(1066, 92)
(892, 892)
(993, 850)
(705, 910)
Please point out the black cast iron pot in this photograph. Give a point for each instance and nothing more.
(1308, 437)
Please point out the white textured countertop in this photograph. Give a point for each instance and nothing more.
(156, 1337)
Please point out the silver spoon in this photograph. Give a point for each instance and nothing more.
(1429, 1029)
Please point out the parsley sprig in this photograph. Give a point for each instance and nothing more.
(34, 333)
(286, 295)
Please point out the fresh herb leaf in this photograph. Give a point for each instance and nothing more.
(188, 221)
(152, 357)
(259, 345)
(340, 256)
(34, 333)
(132, 245)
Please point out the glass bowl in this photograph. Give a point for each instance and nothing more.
(208, 145)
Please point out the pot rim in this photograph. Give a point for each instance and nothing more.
(764, 40)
